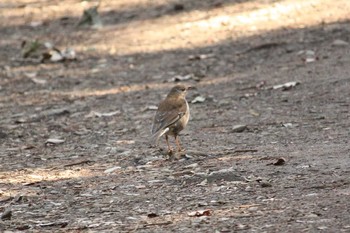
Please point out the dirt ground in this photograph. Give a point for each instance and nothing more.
(267, 145)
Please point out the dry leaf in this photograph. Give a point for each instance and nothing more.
(180, 78)
(38, 81)
(280, 162)
(128, 142)
(287, 125)
(200, 213)
(286, 86)
(198, 99)
(340, 43)
(254, 113)
(102, 114)
(201, 56)
(239, 128)
(54, 141)
(152, 215)
(112, 169)
(151, 107)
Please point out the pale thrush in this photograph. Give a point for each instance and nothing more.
(172, 116)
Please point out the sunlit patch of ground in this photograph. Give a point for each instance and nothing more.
(15, 183)
(202, 28)
(182, 30)
(38, 175)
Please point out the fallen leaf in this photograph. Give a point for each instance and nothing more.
(112, 169)
(38, 81)
(53, 55)
(56, 55)
(310, 59)
(155, 181)
(151, 107)
(308, 56)
(152, 215)
(54, 141)
(193, 165)
(102, 114)
(198, 99)
(180, 78)
(201, 56)
(69, 54)
(203, 183)
(239, 128)
(286, 86)
(30, 74)
(128, 142)
(340, 43)
(254, 113)
(200, 213)
(280, 162)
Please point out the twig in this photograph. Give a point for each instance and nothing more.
(245, 151)
(72, 164)
(262, 46)
(78, 163)
(157, 224)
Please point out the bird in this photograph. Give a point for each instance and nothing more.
(172, 116)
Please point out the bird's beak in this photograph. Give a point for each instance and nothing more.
(191, 88)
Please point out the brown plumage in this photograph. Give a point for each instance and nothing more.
(172, 116)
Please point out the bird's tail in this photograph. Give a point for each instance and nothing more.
(155, 137)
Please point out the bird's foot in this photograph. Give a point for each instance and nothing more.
(170, 152)
(180, 150)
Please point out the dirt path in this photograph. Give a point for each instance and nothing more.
(267, 146)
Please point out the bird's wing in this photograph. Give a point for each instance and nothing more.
(168, 115)
(164, 119)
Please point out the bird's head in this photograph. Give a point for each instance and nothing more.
(179, 90)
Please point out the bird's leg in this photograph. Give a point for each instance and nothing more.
(170, 151)
(177, 140)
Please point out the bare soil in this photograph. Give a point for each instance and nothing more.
(74, 134)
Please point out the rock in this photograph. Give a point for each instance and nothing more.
(228, 174)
